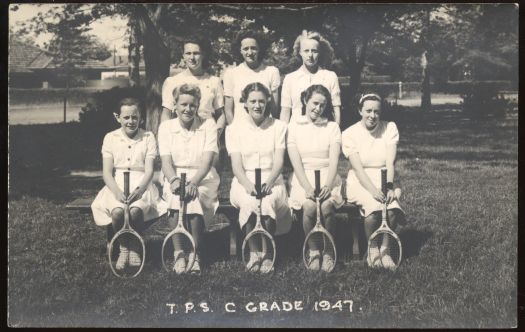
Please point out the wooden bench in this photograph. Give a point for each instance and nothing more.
(231, 214)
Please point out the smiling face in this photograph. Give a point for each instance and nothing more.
(309, 52)
(250, 51)
(256, 105)
(192, 56)
(186, 108)
(129, 119)
(370, 113)
(315, 106)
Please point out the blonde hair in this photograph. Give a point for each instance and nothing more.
(326, 52)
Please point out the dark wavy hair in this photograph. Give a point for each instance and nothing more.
(261, 42)
(256, 86)
(204, 45)
(328, 111)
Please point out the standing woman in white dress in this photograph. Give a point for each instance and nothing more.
(314, 143)
(371, 144)
(196, 55)
(258, 142)
(128, 149)
(187, 144)
(249, 47)
(315, 53)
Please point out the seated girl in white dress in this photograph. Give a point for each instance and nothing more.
(188, 144)
(314, 143)
(133, 150)
(371, 144)
(258, 141)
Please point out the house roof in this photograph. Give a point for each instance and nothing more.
(23, 56)
(26, 58)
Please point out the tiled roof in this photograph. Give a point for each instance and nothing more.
(22, 56)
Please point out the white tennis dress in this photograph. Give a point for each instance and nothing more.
(128, 155)
(371, 148)
(298, 81)
(313, 141)
(186, 148)
(236, 79)
(257, 145)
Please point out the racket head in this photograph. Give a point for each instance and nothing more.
(188, 248)
(264, 240)
(319, 239)
(133, 241)
(388, 243)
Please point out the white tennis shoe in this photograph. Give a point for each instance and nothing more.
(122, 258)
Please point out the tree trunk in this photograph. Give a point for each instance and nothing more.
(157, 62)
(426, 102)
(134, 53)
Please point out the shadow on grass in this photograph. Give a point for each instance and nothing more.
(413, 240)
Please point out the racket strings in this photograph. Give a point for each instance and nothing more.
(126, 254)
(258, 247)
(178, 246)
(319, 251)
(385, 251)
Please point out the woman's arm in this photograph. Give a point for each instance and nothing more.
(391, 151)
(363, 178)
(285, 114)
(228, 109)
(204, 168)
(240, 174)
(274, 109)
(109, 180)
(337, 114)
(144, 183)
(298, 167)
(169, 172)
(333, 157)
(278, 161)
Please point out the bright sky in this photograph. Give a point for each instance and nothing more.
(111, 31)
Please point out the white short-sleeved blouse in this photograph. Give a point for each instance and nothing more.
(236, 79)
(212, 96)
(313, 140)
(186, 146)
(371, 145)
(129, 153)
(256, 144)
(298, 81)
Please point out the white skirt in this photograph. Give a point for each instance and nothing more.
(151, 204)
(207, 202)
(298, 194)
(274, 205)
(358, 195)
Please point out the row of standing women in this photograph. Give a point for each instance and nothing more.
(310, 102)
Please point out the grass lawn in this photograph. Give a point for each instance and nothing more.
(460, 183)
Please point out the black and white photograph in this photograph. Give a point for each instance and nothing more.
(263, 165)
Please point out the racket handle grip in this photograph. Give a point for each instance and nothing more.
(126, 184)
(317, 182)
(182, 187)
(258, 182)
(383, 181)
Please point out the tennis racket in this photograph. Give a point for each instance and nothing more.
(319, 241)
(179, 234)
(390, 249)
(261, 237)
(127, 236)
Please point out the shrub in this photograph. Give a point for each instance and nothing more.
(98, 115)
(483, 99)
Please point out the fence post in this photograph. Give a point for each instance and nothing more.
(400, 91)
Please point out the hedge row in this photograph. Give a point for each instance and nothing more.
(76, 96)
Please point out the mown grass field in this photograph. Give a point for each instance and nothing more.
(460, 183)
